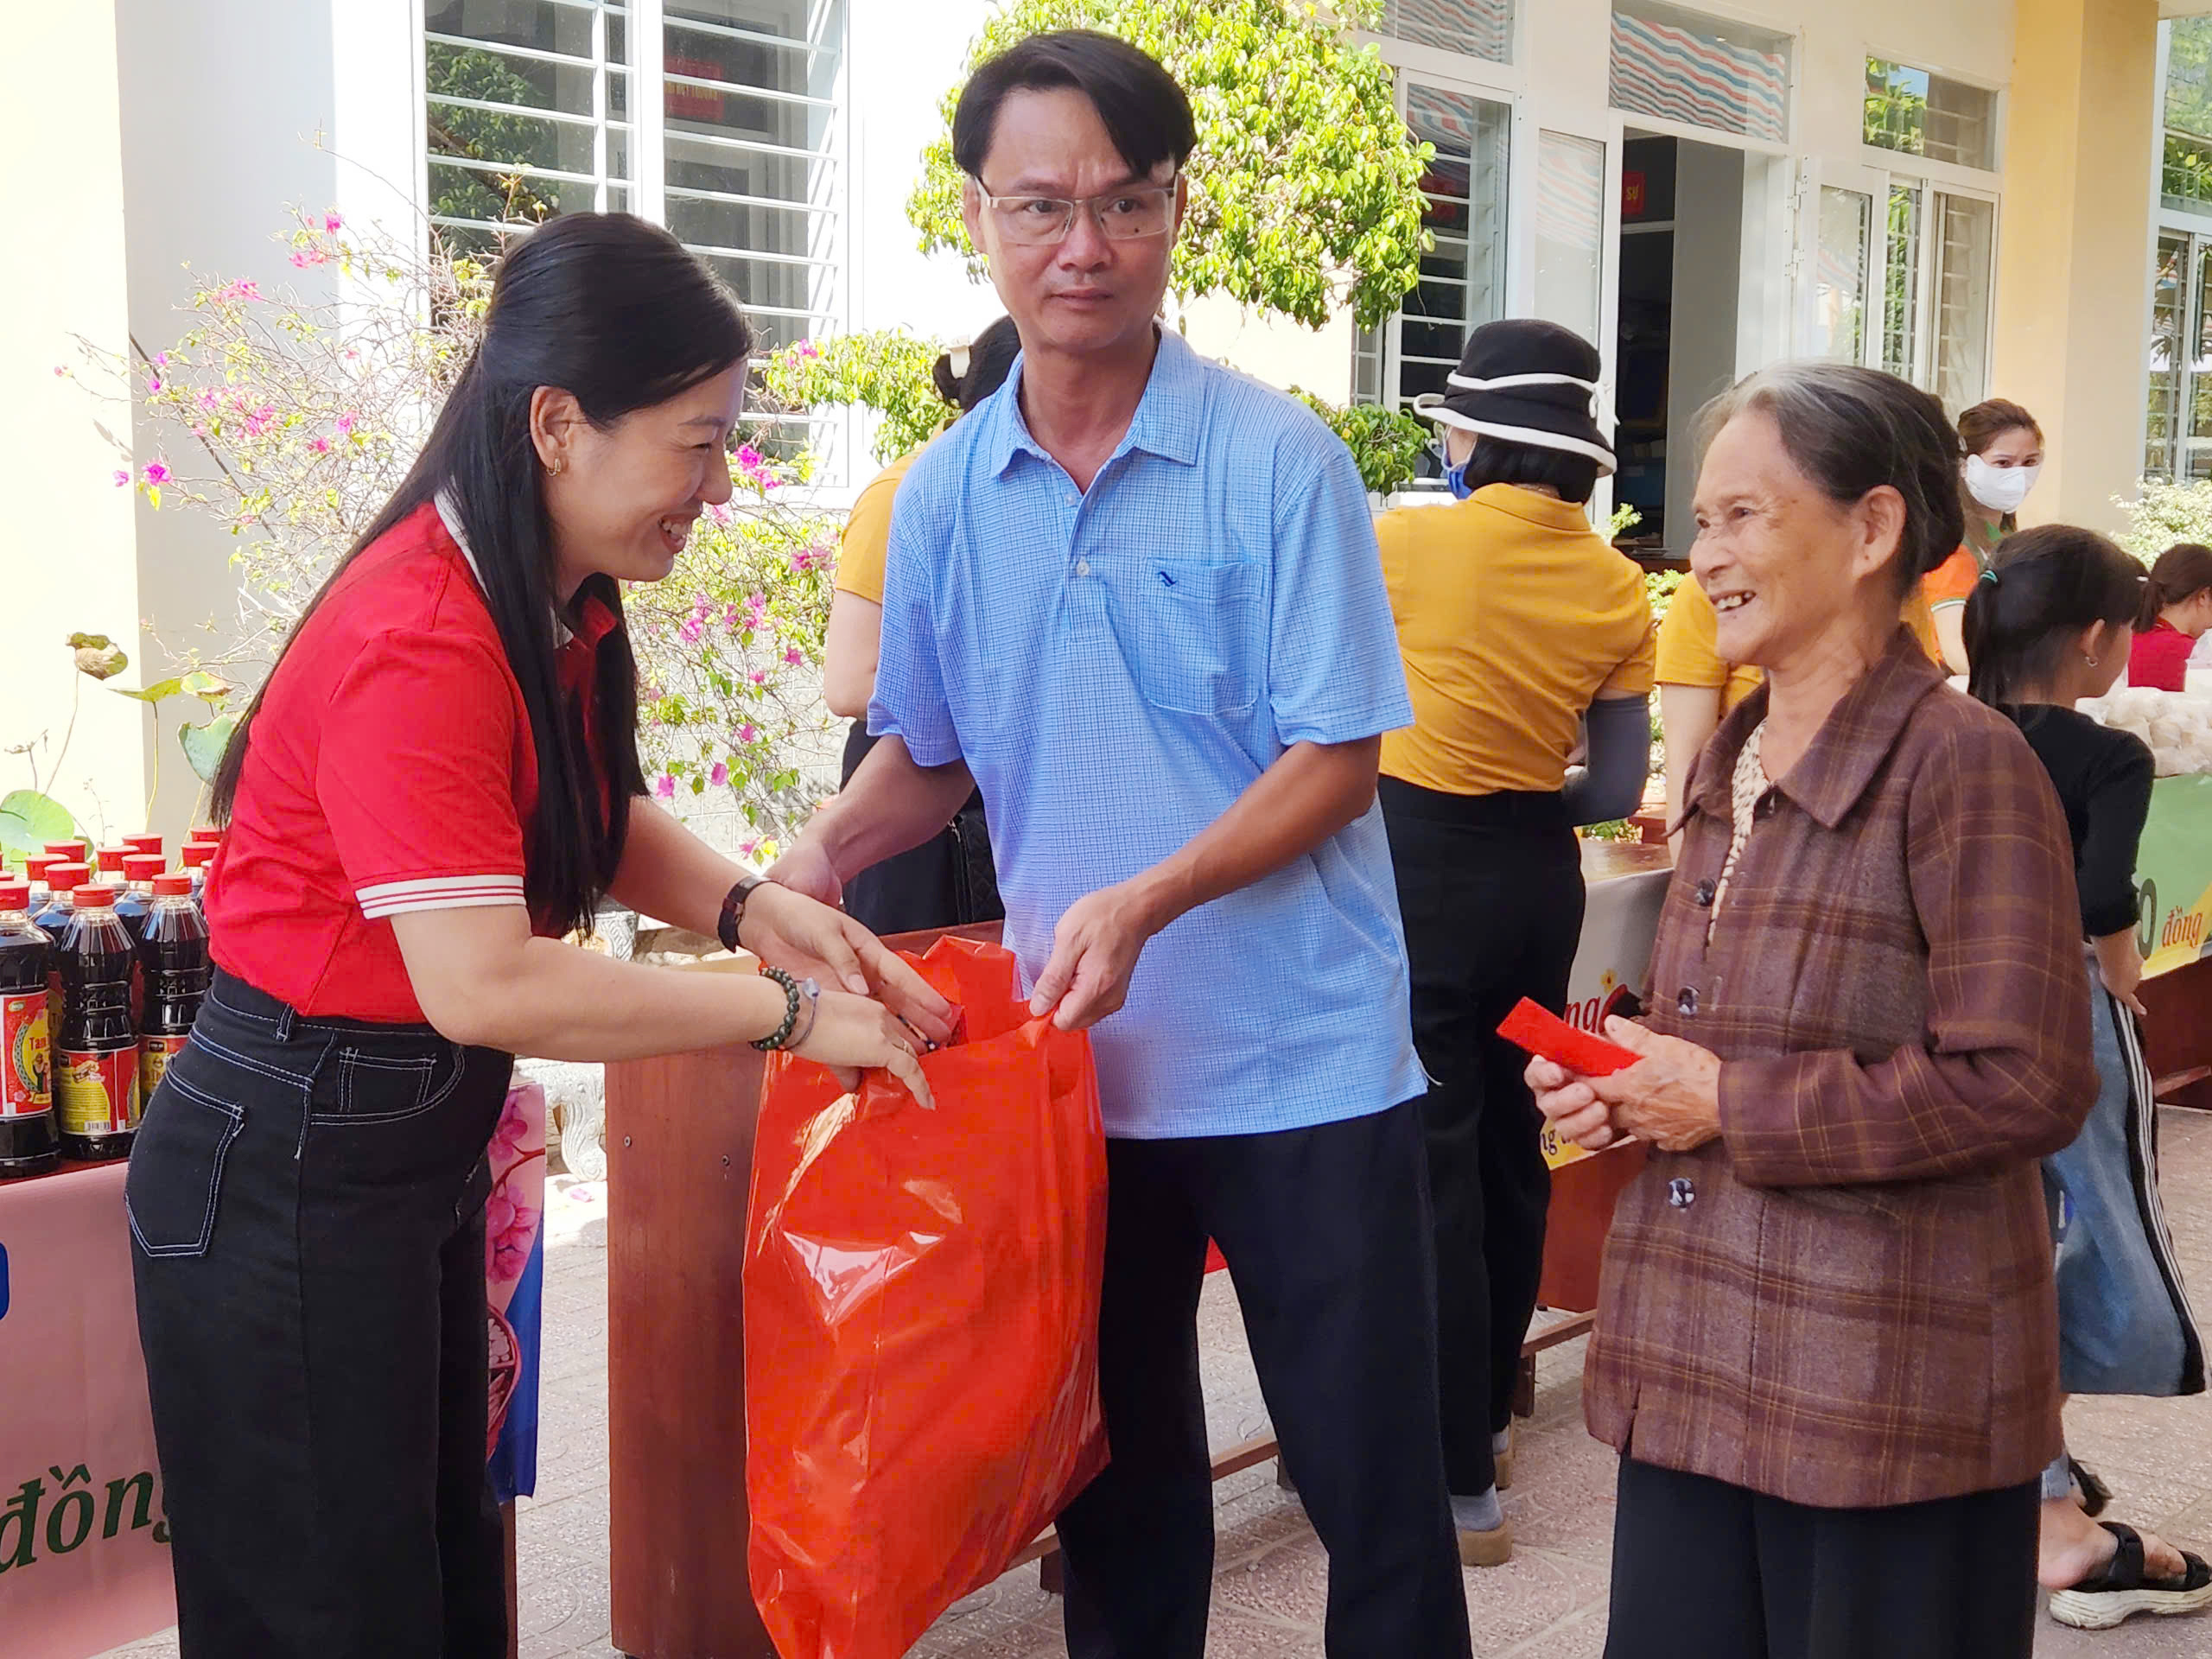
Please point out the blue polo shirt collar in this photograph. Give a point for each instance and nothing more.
(1168, 418)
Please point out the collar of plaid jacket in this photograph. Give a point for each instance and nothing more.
(1845, 752)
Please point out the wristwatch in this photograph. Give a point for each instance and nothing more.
(732, 916)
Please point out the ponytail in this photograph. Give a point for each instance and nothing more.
(2043, 587)
(2182, 571)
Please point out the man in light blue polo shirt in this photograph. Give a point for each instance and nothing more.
(1137, 599)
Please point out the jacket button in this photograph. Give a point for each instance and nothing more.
(1681, 1193)
(1703, 897)
(1686, 1004)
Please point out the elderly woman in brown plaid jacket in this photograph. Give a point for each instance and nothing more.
(1827, 1345)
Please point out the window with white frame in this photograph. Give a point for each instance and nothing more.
(2177, 415)
(1668, 64)
(1915, 112)
(1937, 140)
(1462, 280)
(1845, 242)
(531, 114)
(1471, 29)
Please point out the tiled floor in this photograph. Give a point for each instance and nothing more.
(1270, 1576)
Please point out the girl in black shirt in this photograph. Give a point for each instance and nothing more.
(2048, 624)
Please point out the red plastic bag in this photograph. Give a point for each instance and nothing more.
(921, 1321)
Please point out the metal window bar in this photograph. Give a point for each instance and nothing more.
(482, 107)
(737, 199)
(731, 32)
(715, 251)
(514, 169)
(504, 48)
(741, 89)
(752, 146)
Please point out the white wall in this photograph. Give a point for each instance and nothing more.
(67, 554)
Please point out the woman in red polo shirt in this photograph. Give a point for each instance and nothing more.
(440, 780)
(2176, 613)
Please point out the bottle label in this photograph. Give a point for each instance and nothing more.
(26, 1058)
(96, 1093)
(155, 1054)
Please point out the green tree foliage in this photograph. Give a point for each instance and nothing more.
(1385, 443)
(1305, 185)
(886, 369)
(479, 135)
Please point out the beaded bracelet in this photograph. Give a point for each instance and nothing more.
(794, 994)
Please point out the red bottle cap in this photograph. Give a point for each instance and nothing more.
(64, 877)
(178, 885)
(13, 894)
(198, 853)
(206, 832)
(144, 866)
(92, 896)
(144, 842)
(76, 851)
(111, 859)
(38, 864)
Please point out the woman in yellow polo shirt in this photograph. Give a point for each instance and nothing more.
(949, 880)
(1520, 628)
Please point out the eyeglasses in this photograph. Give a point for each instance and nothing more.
(1121, 215)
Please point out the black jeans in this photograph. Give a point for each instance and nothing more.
(1490, 888)
(307, 1213)
(947, 881)
(1704, 1570)
(1325, 1232)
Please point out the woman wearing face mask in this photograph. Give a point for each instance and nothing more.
(2004, 458)
(1518, 625)
(439, 779)
(2176, 613)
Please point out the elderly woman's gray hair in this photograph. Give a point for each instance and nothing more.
(1851, 430)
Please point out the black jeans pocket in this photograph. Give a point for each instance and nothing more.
(176, 1181)
(388, 1084)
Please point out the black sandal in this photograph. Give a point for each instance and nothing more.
(2095, 1495)
(2121, 1591)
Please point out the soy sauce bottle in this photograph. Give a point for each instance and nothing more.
(197, 854)
(30, 1140)
(174, 958)
(62, 882)
(35, 868)
(96, 1070)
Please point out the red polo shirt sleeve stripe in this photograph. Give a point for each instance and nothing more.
(415, 775)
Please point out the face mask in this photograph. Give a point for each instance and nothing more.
(1455, 480)
(2001, 489)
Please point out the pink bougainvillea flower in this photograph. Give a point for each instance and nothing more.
(199, 430)
(157, 471)
(333, 222)
(665, 786)
(153, 384)
(122, 478)
(720, 776)
(307, 256)
(730, 619)
(747, 848)
(692, 628)
(317, 446)
(345, 424)
(161, 359)
(61, 372)
(747, 734)
(208, 399)
(794, 656)
(748, 457)
(760, 677)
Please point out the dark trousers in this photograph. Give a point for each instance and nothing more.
(1325, 1232)
(947, 881)
(1491, 888)
(1704, 1570)
(307, 1210)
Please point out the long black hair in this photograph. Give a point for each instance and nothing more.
(612, 310)
(2182, 571)
(2043, 587)
(990, 360)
